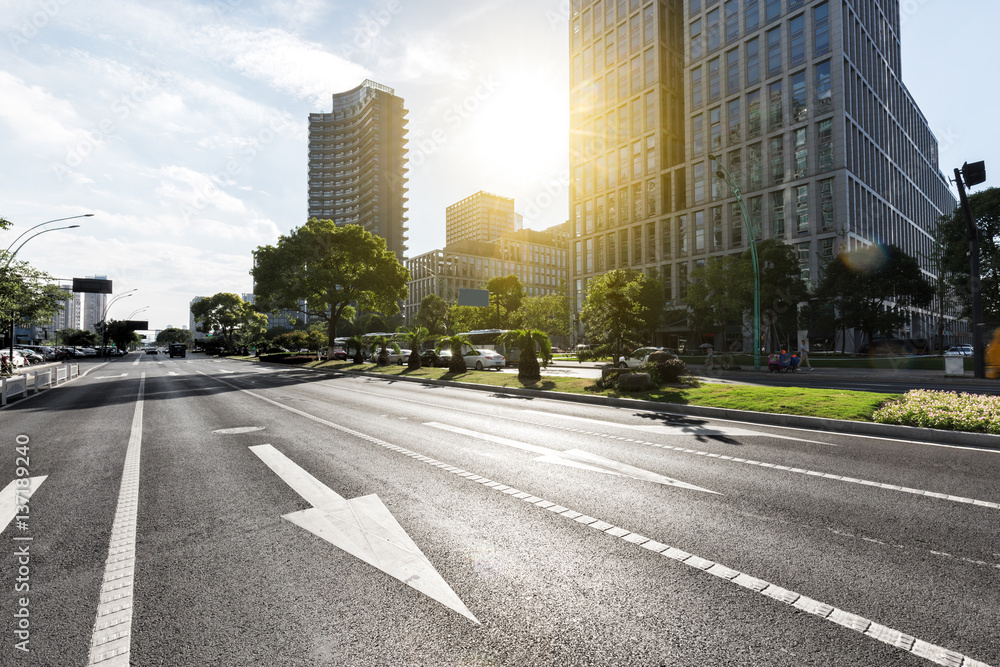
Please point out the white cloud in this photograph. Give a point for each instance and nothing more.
(37, 117)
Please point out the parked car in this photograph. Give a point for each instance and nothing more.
(483, 359)
(397, 357)
(87, 352)
(959, 351)
(339, 354)
(638, 357)
(17, 361)
(30, 356)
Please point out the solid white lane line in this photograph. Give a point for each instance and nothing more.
(111, 643)
(884, 634)
(15, 495)
(772, 466)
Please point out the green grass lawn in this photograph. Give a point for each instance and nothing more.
(829, 403)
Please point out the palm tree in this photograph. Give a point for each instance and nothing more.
(414, 338)
(357, 341)
(455, 343)
(529, 343)
(383, 343)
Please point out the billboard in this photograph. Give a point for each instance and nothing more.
(473, 297)
(93, 285)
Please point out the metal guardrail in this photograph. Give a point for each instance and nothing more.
(17, 385)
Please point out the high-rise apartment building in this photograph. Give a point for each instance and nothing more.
(803, 102)
(94, 306)
(479, 217)
(357, 163)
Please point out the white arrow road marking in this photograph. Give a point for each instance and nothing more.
(105, 377)
(172, 373)
(576, 458)
(678, 429)
(364, 528)
(15, 495)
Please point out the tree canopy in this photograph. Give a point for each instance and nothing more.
(720, 292)
(231, 318)
(985, 208)
(327, 268)
(871, 288)
(549, 313)
(612, 314)
(174, 335)
(781, 290)
(508, 292)
(433, 314)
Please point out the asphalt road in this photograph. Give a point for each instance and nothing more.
(428, 525)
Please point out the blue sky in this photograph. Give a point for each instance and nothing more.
(183, 125)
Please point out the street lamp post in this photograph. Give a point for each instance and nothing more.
(752, 235)
(73, 217)
(135, 312)
(967, 176)
(104, 317)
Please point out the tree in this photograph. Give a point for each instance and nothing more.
(652, 301)
(611, 312)
(414, 338)
(433, 314)
(873, 287)
(529, 343)
(225, 314)
(720, 293)
(26, 294)
(454, 343)
(781, 291)
(121, 333)
(78, 337)
(174, 335)
(357, 343)
(985, 208)
(506, 295)
(549, 313)
(329, 267)
(469, 318)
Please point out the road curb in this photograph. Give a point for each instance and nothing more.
(845, 426)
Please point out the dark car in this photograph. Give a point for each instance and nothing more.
(177, 350)
(152, 350)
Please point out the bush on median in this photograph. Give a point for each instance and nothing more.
(947, 410)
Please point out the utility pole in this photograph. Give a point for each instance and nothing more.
(969, 175)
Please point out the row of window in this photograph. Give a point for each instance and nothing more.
(614, 17)
(716, 229)
(706, 37)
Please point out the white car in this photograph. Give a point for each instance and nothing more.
(638, 357)
(17, 360)
(482, 359)
(959, 351)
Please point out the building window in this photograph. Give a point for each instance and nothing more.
(668, 283)
(695, 7)
(800, 104)
(802, 209)
(649, 25)
(801, 152)
(666, 240)
(699, 182)
(600, 213)
(753, 61)
(756, 215)
(590, 255)
(612, 210)
(734, 121)
(650, 111)
(715, 128)
(774, 52)
(599, 258)
(696, 40)
(623, 164)
(753, 114)
(611, 252)
(802, 250)
(733, 72)
(714, 82)
(579, 257)
(637, 203)
(623, 204)
(682, 280)
(772, 10)
(650, 198)
(797, 40)
(736, 167)
(824, 92)
(650, 155)
(698, 135)
(824, 130)
(636, 75)
(650, 242)
(623, 247)
(751, 16)
(637, 245)
(682, 236)
(696, 97)
(717, 228)
(732, 21)
(699, 232)
(821, 27)
(826, 248)
(636, 160)
(775, 106)
(712, 29)
(778, 214)
(649, 66)
(754, 166)
(826, 205)
(736, 222)
(777, 153)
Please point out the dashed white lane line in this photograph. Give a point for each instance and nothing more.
(111, 643)
(934, 653)
(762, 464)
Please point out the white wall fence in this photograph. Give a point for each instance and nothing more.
(17, 386)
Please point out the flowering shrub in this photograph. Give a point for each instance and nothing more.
(943, 409)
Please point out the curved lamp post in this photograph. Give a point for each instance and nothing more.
(752, 235)
(73, 217)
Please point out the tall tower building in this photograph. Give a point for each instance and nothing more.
(357, 163)
(802, 101)
(480, 217)
(94, 305)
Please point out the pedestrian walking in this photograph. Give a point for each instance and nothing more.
(709, 362)
(804, 354)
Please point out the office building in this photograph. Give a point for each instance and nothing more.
(802, 102)
(357, 163)
(480, 217)
(94, 307)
